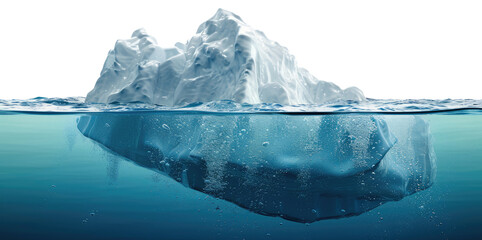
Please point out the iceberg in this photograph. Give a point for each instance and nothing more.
(225, 60)
(302, 168)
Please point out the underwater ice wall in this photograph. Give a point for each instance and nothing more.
(300, 167)
(225, 60)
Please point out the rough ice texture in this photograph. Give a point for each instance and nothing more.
(300, 168)
(225, 60)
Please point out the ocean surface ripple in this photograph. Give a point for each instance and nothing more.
(382, 106)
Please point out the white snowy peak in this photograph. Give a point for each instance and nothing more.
(225, 60)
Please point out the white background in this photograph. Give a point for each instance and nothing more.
(389, 49)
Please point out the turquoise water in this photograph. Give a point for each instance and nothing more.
(57, 183)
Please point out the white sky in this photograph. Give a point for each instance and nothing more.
(389, 49)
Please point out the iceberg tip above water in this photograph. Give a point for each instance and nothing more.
(225, 60)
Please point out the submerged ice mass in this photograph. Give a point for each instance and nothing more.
(225, 60)
(300, 167)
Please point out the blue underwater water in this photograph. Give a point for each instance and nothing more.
(64, 173)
